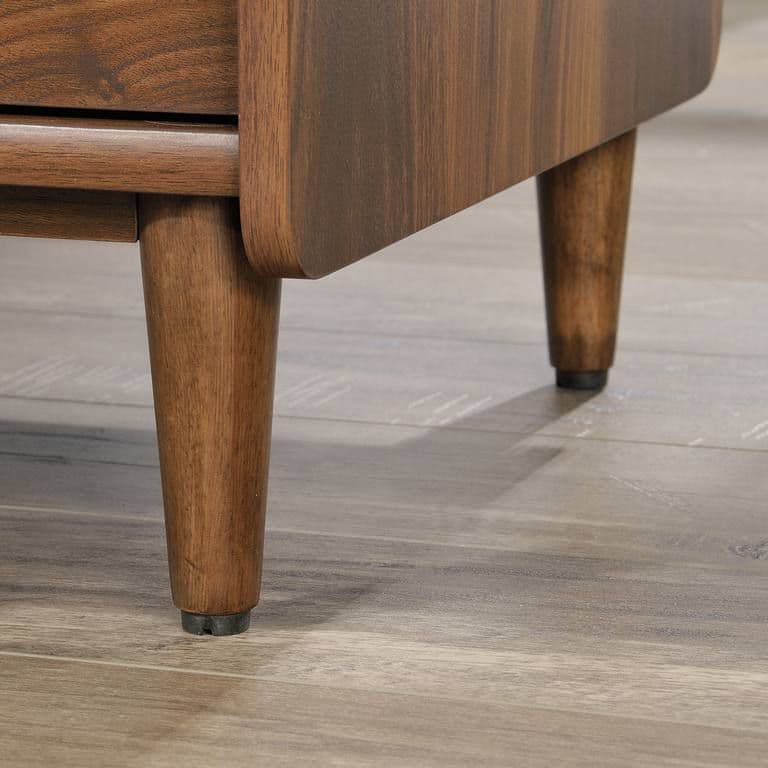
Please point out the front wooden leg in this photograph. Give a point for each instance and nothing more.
(583, 211)
(212, 327)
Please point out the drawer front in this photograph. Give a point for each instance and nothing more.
(151, 55)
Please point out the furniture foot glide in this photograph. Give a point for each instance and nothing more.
(582, 380)
(219, 626)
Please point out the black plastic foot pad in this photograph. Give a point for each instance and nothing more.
(202, 624)
(582, 379)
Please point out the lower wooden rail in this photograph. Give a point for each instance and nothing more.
(68, 213)
(119, 155)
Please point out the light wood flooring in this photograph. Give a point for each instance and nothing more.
(464, 566)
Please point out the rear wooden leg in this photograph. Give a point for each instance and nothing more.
(583, 211)
(212, 328)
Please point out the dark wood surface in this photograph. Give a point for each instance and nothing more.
(68, 213)
(361, 123)
(584, 211)
(124, 155)
(212, 338)
(169, 56)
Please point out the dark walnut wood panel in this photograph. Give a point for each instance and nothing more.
(120, 155)
(169, 56)
(363, 122)
(68, 213)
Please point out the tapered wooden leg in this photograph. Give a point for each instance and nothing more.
(212, 338)
(583, 211)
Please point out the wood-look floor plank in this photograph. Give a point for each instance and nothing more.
(146, 718)
(420, 298)
(673, 640)
(683, 399)
(644, 502)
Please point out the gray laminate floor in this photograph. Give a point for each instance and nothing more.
(464, 566)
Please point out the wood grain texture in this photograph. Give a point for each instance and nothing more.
(158, 718)
(584, 212)
(68, 213)
(174, 56)
(120, 155)
(364, 122)
(212, 337)
(591, 595)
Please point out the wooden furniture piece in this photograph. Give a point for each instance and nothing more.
(288, 138)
